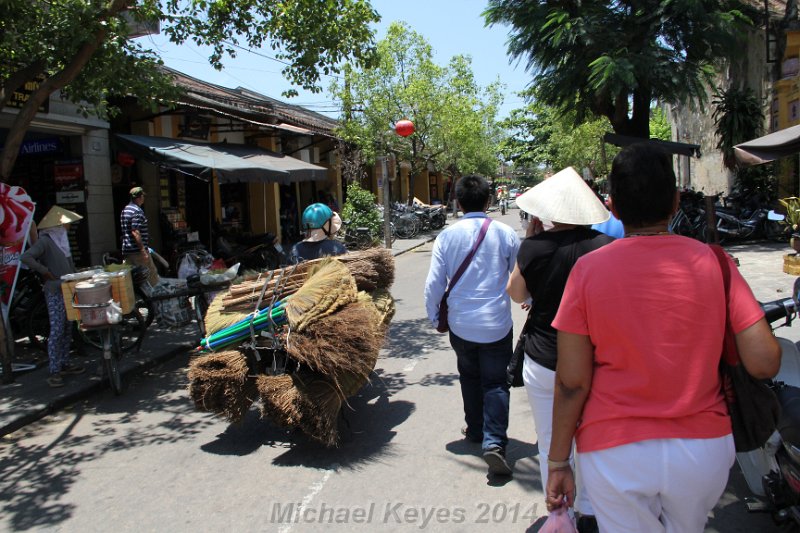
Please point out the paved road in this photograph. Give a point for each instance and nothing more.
(147, 461)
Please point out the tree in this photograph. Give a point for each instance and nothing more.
(454, 119)
(615, 59)
(546, 137)
(82, 47)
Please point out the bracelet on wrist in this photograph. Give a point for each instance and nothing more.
(559, 465)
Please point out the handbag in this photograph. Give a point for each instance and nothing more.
(752, 404)
(442, 326)
(517, 361)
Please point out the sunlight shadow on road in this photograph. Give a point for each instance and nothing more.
(366, 429)
(411, 338)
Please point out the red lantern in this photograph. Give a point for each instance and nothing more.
(404, 128)
(125, 159)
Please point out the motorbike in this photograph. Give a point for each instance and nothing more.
(756, 224)
(772, 472)
(258, 252)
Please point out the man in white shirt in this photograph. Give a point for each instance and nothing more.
(479, 315)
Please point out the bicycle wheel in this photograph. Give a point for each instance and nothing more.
(130, 332)
(406, 227)
(111, 356)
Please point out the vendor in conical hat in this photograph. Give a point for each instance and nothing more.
(562, 208)
(51, 257)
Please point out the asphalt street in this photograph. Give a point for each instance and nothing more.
(147, 461)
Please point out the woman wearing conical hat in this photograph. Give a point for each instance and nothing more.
(51, 257)
(562, 208)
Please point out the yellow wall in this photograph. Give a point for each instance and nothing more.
(785, 112)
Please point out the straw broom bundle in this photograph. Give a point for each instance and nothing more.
(327, 289)
(373, 268)
(279, 399)
(344, 341)
(219, 383)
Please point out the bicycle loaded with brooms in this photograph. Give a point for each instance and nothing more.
(301, 340)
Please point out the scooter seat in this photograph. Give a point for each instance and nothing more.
(789, 422)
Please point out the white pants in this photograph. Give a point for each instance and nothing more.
(664, 485)
(540, 385)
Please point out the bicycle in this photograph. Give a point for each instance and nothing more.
(109, 335)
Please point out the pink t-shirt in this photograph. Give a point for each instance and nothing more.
(654, 309)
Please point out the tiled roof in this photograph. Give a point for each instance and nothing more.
(249, 105)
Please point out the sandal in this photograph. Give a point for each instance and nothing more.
(55, 381)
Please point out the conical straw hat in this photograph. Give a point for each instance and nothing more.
(564, 197)
(58, 216)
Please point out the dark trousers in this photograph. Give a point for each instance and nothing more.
(482, 374)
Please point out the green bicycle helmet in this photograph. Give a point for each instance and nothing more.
(316, 215)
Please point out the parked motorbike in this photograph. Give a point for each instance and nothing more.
(259, 252)
(760, 223)
(772, 472)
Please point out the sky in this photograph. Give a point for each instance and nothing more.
(451, 27)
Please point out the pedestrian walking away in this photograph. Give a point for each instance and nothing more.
(640, 334)
(479, 315)
(561, 209)
(136, 236)
(51, 257)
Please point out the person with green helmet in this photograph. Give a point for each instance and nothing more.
(320, 224)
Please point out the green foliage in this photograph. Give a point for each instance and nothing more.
(82, 46)
(792, 220)
(614, 59)
(659, 125)
(455, 126)
(541, 136)
(739, 117)
(360, 210)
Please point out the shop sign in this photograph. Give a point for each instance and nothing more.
(16, 215)
(23, 94)
(41, 146)
(70, 197)
(68, 174)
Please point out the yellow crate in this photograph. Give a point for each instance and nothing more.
(121, 292)
(68, 291)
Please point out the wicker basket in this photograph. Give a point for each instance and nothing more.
(121, 292)
(791, 264)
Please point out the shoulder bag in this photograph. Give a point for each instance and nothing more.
(442, 326)
(752, 404)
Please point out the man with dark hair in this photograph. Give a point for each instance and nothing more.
(135, 235)
(479, 315)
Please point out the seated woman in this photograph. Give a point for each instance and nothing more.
(320, 224)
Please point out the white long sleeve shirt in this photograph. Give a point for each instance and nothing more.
(479, 309)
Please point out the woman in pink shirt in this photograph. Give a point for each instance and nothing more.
(640, 331)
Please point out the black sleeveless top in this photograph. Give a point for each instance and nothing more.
(545, 262)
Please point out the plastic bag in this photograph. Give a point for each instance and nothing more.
(187, 267)
(207, 278)
(113, 312)
(559, 521)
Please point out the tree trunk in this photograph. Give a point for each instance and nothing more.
(16, 133)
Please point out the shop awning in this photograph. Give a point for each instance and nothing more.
(670, 147)
(770, 147)
(232, 162)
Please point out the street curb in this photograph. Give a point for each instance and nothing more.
(88, 390)
(401, 252)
